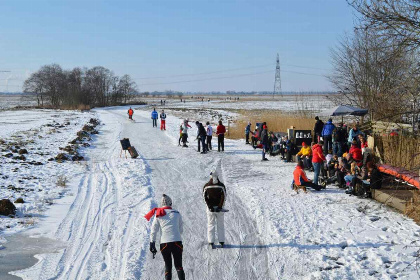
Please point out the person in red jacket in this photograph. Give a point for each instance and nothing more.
(300, 179)
(130, 113)
(317, 159)
(355, 151)
(220, 131)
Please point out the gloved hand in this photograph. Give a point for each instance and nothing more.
(153, 248)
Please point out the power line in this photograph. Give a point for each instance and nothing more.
(228, 77)
(227, 70)
(205, 73)
(207, 79)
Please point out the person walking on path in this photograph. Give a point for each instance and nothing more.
(163, 120)
(319, 125)
(154, 117)
(327, 132)
(169, 222)
(214, 193)
(209, 135)
(130, 113)
(220, 131)
(317, 160)
(264, 142)
(247, 131)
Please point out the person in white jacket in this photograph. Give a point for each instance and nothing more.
(214, 193)
(209, 135)
(169, 222)
(184, 134)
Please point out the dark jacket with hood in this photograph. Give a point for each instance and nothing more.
(214, 196)
(319, 125)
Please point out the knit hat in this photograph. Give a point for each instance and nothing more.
(213, 175)
(303, 144)
(166, 200)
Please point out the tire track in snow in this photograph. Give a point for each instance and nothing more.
(101, 230)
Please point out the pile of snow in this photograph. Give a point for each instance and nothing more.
(29, 139)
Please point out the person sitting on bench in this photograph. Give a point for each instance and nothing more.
(374, 180)
(305, 154)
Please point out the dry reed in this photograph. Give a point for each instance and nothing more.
(400, 150)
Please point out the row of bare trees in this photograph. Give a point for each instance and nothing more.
(378, 66)
(97, 86)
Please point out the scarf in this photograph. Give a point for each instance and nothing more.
(160, 212)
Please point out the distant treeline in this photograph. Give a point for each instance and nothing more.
(180, 93)
(97, 86)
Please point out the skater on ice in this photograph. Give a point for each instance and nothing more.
(209, 133)
(154, 117)
(184, 134)
(220, 131)
(163, 120)
(130, 113)
(214, 193)
(201, 137)
(169, 222)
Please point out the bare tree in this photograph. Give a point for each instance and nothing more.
(373, 73)
(397, 19)
(94, 87)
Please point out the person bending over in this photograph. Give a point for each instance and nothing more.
(169, 222)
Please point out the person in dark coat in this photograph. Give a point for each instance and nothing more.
(201, 137)
(264, 142)
(319, 125)
(339, 139)
(247, 131)
(374, 180)
(272, 139)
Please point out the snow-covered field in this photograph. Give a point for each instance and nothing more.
(287, 103)
(8, 101)
(41, 133)
(272, 233)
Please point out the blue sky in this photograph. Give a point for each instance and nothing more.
(149, 39)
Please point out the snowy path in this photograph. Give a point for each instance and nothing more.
(271, 233)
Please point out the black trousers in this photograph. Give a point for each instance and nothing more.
(312, 185)
(221, 142)
(247, 138)
(209, 142)
(184, 138)
(172, 250)
(327, 143)
(154, 122)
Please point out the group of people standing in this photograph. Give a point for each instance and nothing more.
(169, 222)
(204, 136)
(155, 117)
(339, 138)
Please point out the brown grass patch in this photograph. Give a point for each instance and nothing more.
(413, 210)
(277, 121)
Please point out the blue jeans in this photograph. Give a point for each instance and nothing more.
(338, 149)
(265, 148)
(317, 169)
(203, 143)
